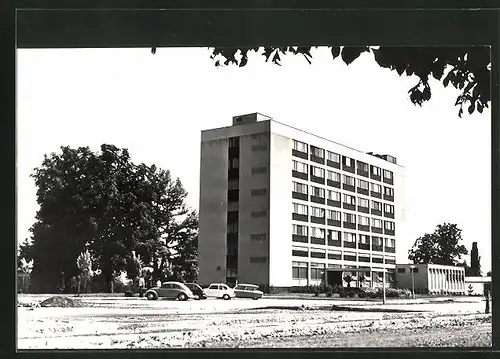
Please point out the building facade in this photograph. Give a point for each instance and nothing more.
(280, 206)
(431, 278)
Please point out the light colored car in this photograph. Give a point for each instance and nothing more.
(248, 291)
(170, 290)
(219, 290)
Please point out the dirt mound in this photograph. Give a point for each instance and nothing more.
(61, 302)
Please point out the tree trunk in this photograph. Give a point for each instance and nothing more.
(79, 284)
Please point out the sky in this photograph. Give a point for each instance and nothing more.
(157, 105)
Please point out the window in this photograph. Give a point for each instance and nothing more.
(300, 251)
(332, 156)
(213, 286)
(401, 270)
(376, 188)
(334, 215)
(300, 208)
(375, 171)
(377, 206)
(259, 170)
(414, 270)
(350, 218)
(258, 192)
(233, 184)
(318, 253)
(258, 214)
(376, 223)
(333, 176)
(364, 239)
(234, 142)
(232, 228)
(299, 230)
(363, 184)
(317, 212)
(318, 152)
(317, 271)
(348, 161)
(390, 242)
(317, 172)
(388, 191)
(348, 180)
(259, 148)
(349, 199)
(300, 187)
(364, 221)
(334, 255)
(259, 237)
(362, 202)
(377, 241)
(389, 208)
(317, 192)
(235, 162)
(333, 235)
(362, 166)
(349, 237)
(333, 195)
(388, 174)
(299, 146)
(299, 270)
(389, 225)
(232, 206)
(300, 166)
(317, 232)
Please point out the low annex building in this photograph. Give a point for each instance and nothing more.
(431, 278)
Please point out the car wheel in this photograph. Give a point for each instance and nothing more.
(151, 296)
(226, 297)
(255, 298)
(182, 297)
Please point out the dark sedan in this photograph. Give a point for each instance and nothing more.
(248, 291)
(197, 290)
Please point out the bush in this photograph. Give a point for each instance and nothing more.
(362, 294)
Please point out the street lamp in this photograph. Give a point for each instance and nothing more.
(412, 267)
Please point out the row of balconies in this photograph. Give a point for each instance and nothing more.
(340, 244)
(345, 257)
(351, 169)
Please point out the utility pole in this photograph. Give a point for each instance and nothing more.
(383, 286)
(412, 268)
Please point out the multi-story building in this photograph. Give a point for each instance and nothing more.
(282, 207)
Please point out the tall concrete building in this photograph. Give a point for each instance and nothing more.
(283, 207)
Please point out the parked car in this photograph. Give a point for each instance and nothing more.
(248, 291)
(197, 290)
(219, 290)
(171, 290)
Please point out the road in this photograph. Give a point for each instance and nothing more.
(138, 323)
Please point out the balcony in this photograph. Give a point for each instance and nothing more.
(299, 238)
(350, 258)
(333, 164)
(334, 222)
(300, 175)
(299, 253)
(376, 194)
(363, 191)
(364, 246)
(377, 248)
(389, 198)
(347, 168)
(319, 200)
(389, 180)
(363, 228)
(298, 195)
(318, 255)
(331, 183)
(348, 187)
(389, 214)
(362, 172)
(334, 256)
(333, 203)
(299, 217)
(334, 243)
(320, 180)
(377, 230)
(390, 249)
(318, 220)
(349, 225)
(317, 159)
(363, 209)
(299, 154)
(348, 244)
(364, 259)
(377, 260)
(346, 205)
(389, 232)
(317, 240)
(376, 212)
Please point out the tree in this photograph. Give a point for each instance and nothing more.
(441, 247)
(488, 274)
(103, 203)
(475, 261)
(348, 279)
(465, 68)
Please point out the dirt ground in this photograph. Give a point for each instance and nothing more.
(105, 323)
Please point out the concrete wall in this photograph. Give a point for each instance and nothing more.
(253, 272)
(280, 212)
(213, 211)
(404, 280)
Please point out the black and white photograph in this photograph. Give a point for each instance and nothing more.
(254, 197)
